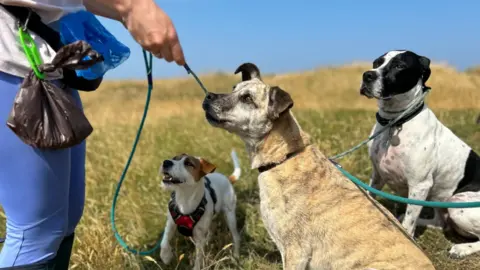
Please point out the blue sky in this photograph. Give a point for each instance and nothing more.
(282, 36)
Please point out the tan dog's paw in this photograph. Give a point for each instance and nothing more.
(166, 255)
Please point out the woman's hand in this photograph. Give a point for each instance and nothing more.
(149, 25)
(153, 29)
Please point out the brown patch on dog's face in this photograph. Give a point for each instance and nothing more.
(197, 167)
(207, 167)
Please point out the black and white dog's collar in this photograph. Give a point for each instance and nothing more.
(383, 121)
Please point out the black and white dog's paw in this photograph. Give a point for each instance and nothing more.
(462, 250)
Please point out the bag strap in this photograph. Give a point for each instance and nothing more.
(53, 39)
(35, 25)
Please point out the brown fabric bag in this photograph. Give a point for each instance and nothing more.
(45, 115)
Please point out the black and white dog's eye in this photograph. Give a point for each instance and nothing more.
(399, 66)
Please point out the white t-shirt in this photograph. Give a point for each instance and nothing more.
(12, 57)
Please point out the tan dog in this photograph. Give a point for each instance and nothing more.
(317, 218)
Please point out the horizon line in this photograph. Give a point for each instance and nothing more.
(437, 64)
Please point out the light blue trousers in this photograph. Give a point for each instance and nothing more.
(41, 192)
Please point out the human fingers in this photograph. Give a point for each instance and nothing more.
(158, 55)
(153, 42)
(177, 52)
(167, 53)
(171, 41)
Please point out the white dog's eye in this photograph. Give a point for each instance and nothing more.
(188, 163)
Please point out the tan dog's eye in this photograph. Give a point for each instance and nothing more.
(246, 99)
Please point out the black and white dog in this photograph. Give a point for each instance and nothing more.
(419, 157)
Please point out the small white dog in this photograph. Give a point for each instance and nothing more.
(419, 156)
(198, 194)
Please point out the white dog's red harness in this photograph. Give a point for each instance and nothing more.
(186, 223)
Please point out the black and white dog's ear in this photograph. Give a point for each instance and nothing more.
(279, 102)
(425, 63)
(249, 71)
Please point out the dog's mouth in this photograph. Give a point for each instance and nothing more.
(365, 91)
(213, 119)
(169, 179)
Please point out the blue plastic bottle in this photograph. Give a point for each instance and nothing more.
(83, 25)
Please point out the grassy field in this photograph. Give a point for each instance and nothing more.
(328, 106)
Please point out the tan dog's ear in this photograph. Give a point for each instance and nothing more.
(249, 71)
(206, 167)
(279, 102)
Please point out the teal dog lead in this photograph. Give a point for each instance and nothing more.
(148, 67)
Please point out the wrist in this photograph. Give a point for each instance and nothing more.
(124, 7)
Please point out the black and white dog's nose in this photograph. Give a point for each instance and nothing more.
(167, 164)
(370, 76)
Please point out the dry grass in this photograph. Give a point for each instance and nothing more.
(328, 106)
(473, 70)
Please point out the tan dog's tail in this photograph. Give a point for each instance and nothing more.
(237, 170)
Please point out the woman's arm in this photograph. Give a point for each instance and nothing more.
(112, 9)
(149, 25)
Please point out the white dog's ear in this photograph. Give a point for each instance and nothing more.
(279, 102)
(249, 71)
(425, 63)
(206, 166)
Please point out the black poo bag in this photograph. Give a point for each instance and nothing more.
(45, 115)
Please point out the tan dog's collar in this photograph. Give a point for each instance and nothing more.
(272, 165)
